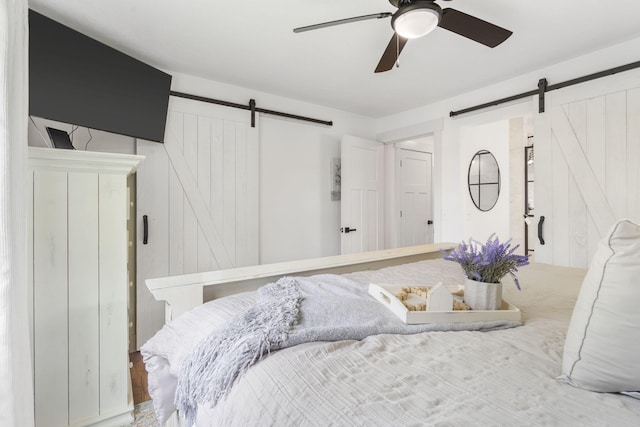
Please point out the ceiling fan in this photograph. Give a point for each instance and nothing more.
(416, 18)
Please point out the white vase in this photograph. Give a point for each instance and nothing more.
(482, 296)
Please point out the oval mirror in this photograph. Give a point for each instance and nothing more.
(484, 180)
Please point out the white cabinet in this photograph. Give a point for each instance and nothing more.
(77, 230)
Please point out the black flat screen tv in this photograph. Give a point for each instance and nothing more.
(78, 80)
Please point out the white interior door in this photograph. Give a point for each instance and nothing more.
(416, 224)
(362, 208)
(199, 193)
(587, 149)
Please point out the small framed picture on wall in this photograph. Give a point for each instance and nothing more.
(335, 178)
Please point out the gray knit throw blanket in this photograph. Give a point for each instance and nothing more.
(292, 311)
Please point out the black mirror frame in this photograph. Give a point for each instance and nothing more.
(480, 183)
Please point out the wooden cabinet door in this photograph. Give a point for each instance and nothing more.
(78, 250)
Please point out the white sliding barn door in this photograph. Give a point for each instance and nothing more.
(199, 191)
(587, 147)
(362, 209)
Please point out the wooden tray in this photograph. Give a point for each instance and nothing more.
(386, 295)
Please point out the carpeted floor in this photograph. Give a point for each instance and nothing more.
(144, 416)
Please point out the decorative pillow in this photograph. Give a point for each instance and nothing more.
(602, 347)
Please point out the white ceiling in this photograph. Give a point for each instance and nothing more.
(250, 43)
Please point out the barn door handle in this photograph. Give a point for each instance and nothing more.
(540, 223)
(347, 230)
(145, 229)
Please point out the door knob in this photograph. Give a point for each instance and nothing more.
(347, 229)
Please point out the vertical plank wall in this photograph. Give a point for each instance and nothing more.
(200, 192)
(51, 342)
(587, 174)
(113, 333)
(84, 300)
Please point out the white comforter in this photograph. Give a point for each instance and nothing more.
(503, 377)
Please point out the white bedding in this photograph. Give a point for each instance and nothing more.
(502, 377)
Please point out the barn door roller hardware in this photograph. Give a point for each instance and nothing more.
(251, 107)
(543, 87)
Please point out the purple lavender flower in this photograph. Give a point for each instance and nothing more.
(489, 262)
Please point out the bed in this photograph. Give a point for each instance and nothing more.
(507, 376)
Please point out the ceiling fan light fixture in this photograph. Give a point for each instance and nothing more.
(416, 20)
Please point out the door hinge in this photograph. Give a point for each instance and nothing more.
(400, 214)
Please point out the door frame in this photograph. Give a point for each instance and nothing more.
(432, 128)
(529, 213)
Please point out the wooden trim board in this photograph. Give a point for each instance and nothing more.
(182, 293)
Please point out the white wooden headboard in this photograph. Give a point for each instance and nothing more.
(182, 293)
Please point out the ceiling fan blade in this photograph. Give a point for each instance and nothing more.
(343, 21)
(391, 53)
(473, 28)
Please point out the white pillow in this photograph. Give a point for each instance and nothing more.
(602, 348)
(164, 352)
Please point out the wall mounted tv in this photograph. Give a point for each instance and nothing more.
(78, 80)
